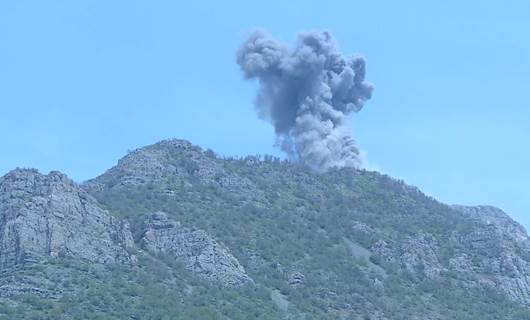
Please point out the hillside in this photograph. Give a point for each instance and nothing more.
(176, 232)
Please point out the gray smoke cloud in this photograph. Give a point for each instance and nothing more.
(306, 93)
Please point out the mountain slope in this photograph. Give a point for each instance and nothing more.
(354, 235)
(65, 257)
(346, 244)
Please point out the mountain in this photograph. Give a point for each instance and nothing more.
(175, 232)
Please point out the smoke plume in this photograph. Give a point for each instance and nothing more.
(306, 93)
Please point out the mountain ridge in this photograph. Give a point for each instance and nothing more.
(343, 244)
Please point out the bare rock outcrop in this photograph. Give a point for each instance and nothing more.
(172, 164)
(416, 255)
(199, 253)
(495, 252)
(50, 216)
(296, 279)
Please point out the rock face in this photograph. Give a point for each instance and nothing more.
(493, 252)
(417, 256)
(171, 162)
(50, 216)
(296, 279)
(496, 252)
(499, 220)
(195, 248)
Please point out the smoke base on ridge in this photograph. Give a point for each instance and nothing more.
(306, 93)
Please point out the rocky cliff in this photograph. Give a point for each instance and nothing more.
(50, 216)
(495, 252)
(195, 248)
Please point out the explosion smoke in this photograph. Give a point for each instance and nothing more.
(306, 93)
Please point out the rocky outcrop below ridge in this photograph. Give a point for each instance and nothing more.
(199, 253)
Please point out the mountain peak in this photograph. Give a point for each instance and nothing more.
(167, 145)
(172, 162)
(32, 174)
(31, 182)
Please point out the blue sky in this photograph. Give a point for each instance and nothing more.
(81, 82)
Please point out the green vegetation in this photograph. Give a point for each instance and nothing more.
(277, 218)
(155, 290)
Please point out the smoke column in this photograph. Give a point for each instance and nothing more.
(306, 93)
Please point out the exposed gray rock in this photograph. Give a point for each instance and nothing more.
(502, 223)
(170, 163)
(363, 228)
(296, 279)
(383, 252)
(496, 252)
(280, 300)
(416, 255)
(194, 248)
(419, 255)
(50, 216)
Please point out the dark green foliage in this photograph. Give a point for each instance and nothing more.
(152, 291)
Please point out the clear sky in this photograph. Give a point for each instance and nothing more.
(81, 82)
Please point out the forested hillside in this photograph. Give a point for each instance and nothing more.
(191, 235)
